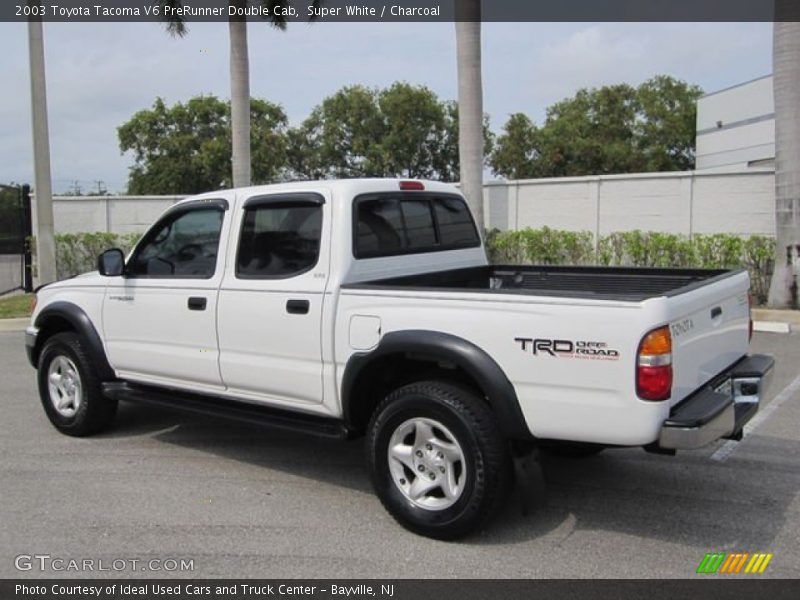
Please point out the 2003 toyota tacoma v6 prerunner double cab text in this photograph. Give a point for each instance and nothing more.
(368, 307)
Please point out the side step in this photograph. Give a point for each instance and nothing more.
(227, 409)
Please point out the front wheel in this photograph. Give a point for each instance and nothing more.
(70, 389)
(438, 461)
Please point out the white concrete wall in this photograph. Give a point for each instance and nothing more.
(687, 202)
(741, 202)
(118, 214)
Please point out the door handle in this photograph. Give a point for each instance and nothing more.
(716, 312)
(196, 303)
(297, 307)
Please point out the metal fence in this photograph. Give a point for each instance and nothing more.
(15, 229)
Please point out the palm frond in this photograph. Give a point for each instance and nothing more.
(176, 26)
(276, 19)
(315, 4)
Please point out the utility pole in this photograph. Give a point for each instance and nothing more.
(45, 242)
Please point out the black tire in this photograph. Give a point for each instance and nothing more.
(486, 464)
(572, 449)
(94, 411)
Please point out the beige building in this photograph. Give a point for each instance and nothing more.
(736, 127)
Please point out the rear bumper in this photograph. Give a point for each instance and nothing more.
(721, 408)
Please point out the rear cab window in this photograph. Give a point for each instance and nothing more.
(396, 223)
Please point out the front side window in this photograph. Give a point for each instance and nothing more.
(182, 245)
(391, 224)
(279, 240)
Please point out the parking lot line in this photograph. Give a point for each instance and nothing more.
(728, 447)
(771, 327)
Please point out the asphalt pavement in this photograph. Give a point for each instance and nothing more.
(245, 502)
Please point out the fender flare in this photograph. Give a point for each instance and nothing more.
(487, 373)
(83, 325)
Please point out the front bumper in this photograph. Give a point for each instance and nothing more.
(30, 344)
(721, 408)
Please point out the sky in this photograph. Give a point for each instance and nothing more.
(99, 75)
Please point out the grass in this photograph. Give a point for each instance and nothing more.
(16, 306)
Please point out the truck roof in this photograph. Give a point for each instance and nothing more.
(347, 188)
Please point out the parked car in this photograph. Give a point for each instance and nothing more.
(367, 308)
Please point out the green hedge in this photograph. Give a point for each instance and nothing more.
(638, 249)
(77, 253)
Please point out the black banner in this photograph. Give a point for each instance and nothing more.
(404, 589)
(402, 10)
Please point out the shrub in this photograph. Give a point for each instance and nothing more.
(543, 246)
(506, 247)
(77, 253)
(646, 249)
(758, 258)
(638, 249)
(719, 251)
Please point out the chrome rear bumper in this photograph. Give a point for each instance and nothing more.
(720, 409)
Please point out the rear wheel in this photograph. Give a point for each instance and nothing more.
(70, 389)
(438, 461)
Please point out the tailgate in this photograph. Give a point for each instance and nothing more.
(710, 328)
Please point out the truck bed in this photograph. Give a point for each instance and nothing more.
(609, 283)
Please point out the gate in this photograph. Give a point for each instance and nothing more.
(15, 230)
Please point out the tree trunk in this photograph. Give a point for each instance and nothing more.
(786, 72)
(45, 243)
(470, 104)
(240, 103)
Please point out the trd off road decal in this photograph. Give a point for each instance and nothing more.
(567, 348)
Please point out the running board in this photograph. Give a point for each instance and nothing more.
(235, 410)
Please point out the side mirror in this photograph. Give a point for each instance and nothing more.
(111, 263)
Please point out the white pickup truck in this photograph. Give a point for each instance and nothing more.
(367, 307)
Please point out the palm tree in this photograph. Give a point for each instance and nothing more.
(786, 72)
(470, 104)
(240, 78)
(240, 100)
(45, 242)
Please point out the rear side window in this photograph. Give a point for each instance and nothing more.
(397, 223)
(279, 240)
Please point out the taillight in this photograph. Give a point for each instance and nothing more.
(654, 365)
(750, 315)
(412, 185)
(34, 299)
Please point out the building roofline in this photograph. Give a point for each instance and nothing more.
(631, 176)
(733, 87)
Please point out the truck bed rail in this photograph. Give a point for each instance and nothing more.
(617, 283)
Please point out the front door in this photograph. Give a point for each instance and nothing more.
(159, 318)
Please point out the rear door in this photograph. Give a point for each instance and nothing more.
(159, 319)
(271, 299)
